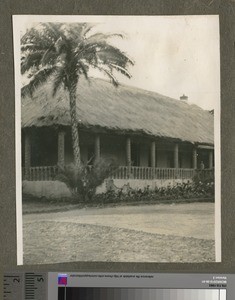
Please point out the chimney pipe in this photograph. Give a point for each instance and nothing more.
(184, 98)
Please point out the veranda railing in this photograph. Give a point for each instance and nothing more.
(147, 173)
(122, 172)
(43, 173)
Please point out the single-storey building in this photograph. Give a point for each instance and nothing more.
(151, 136)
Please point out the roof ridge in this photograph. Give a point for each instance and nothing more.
(153, 94)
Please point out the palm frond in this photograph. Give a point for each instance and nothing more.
(86, 29)
(32, 59)
(102, 37)
(83, 69)
(35, 39)
(105, 52)
(58, 80)
(78, 31)
(37, 80)
(111, 54)
(108, 73)
(53, 31)
(67, 51)
(121, 70)
(86, 51)
(30, 36)
(113, 79)
(30, 47)
(50, 56)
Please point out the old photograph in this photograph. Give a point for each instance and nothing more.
(117, 138)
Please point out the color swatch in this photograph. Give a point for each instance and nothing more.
(88, 293)
(62, 279)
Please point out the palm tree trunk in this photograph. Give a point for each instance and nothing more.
(74, 128)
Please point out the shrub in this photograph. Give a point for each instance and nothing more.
(83, 182)
(203, 182)
(178, 192)
(90, 177)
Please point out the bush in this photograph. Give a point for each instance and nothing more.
(178, 192)
(203, 182)
(90, 177)
(83, 182)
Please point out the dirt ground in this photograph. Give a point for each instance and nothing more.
(146, 233)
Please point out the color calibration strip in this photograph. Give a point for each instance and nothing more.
(88, 293)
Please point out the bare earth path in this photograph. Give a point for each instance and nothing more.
(146, 233)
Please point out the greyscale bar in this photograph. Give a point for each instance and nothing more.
(89, 293)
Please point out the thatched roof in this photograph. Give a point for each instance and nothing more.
(124, 109)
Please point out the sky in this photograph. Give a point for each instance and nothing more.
(173, 55)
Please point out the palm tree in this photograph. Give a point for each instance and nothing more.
(64, 52)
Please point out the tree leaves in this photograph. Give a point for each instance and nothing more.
(63, 52)
(69, 52)
(37, 80)
(31, 60)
